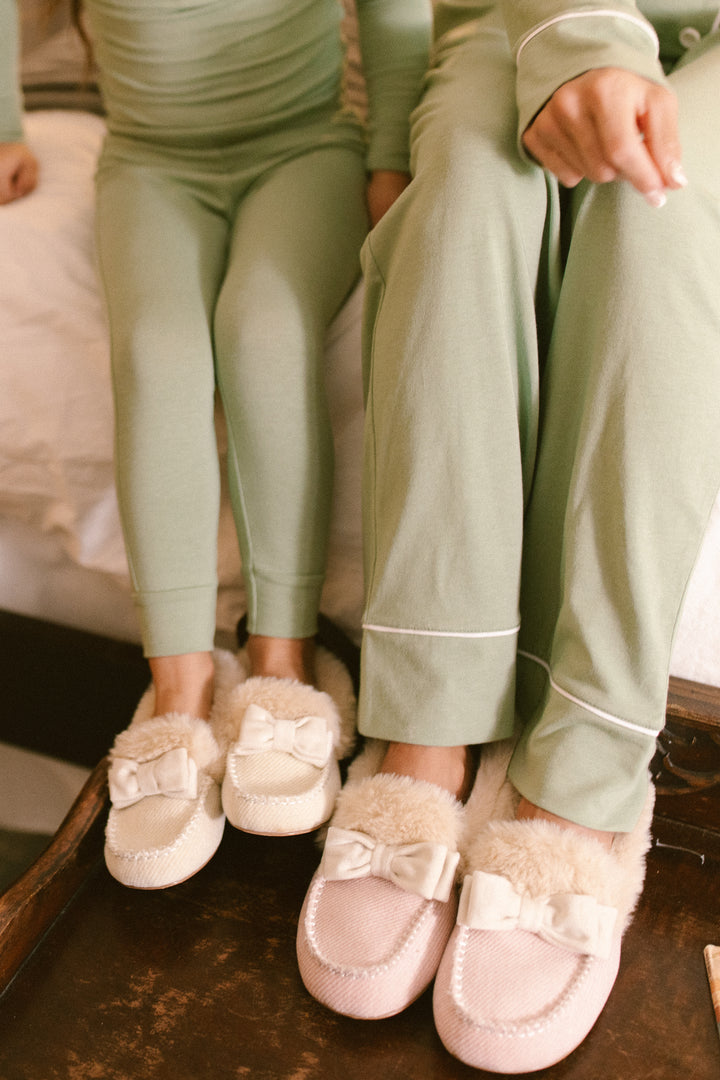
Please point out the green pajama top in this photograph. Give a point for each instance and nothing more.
(554, 41)
(195, 72)
(152, 48)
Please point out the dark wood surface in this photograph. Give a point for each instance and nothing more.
(694, 702)
(31, 905)
(686, 769)
(201, 981)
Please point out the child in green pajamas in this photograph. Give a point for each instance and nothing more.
(233, 193)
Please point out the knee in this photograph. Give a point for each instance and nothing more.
(470, 192)
(643, 245)
(260, 338)
(158, 359)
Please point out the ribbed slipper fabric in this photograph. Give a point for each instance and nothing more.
(166, 820)
(285, 740)
(382, 905)
(536, 950)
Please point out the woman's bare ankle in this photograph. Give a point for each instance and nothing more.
(527, 811)
(183, 684)
(450, 767)
(282, 658)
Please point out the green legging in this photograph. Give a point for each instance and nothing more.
(542, 454)
(224, 267)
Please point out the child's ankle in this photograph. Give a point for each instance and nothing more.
(282, 658)
(183, 684)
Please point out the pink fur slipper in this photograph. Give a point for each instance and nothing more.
(285, 738)
(166, 820)
(382, 905)
(536, 949)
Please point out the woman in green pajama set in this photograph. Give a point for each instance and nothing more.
(233, 192)
(541, 459)
(606, 510)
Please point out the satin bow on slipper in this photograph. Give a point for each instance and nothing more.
(307, 739)
(575, 922)
(423, 868)
(173, 774)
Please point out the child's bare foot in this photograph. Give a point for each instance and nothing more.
(450, 767)
(282, 658)
(183, 684)
(528, 811)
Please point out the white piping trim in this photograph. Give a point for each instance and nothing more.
(583, 704)
(600, 12)
(441, 633)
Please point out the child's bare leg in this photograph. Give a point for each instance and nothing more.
(282, 658)
(450, 767)
(183, 684)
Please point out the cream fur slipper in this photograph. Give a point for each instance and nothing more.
(536, 949)
(285, 739)
(382, 905)
(166, 819)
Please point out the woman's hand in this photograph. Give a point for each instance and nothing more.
(383, 188)
(18, 171)
(610, 124)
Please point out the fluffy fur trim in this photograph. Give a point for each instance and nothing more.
(150, 738)
(228, 673)
(399, 810)
(492, 796)
(368, 762)
(148, 735)
(334, 679)
(334, 700)
(540, 858)
(396, 809)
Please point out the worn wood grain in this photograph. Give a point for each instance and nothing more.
(696, 703)
(201, 980)
(32, 904)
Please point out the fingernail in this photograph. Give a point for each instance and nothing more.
(656, 199)
(678, 174)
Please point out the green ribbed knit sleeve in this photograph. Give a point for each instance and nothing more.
(554, 41)
(10, 101)
(395, 43)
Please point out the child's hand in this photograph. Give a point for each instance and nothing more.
(383, 188)
(610, 124)
(18, 171)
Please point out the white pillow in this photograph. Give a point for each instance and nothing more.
(56, 426)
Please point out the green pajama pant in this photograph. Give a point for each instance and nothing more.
(223, 267)
(542, 451)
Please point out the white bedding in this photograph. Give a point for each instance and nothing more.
(61, 552)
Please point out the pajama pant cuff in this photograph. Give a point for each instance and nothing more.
(178, 621)
(437, 690)
(278, 609)
(588, 768)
